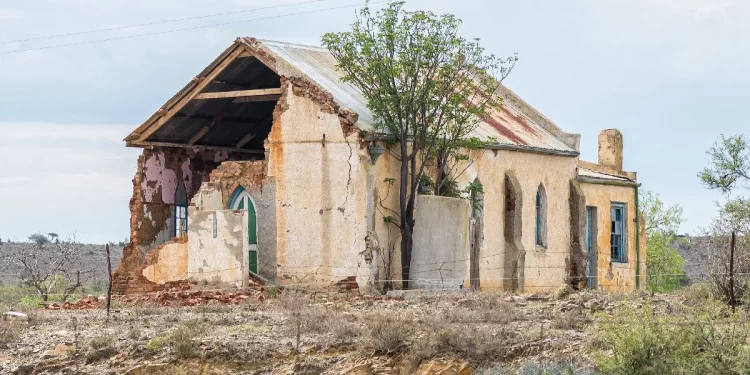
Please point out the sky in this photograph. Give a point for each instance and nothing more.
(671, 75)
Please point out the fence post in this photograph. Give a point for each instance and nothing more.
(732, 301)
(109, 284)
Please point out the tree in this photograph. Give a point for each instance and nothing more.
(426, 88)
(729, 234)
(47, 266)
(664, 265)
(733, 217)
(730, 164)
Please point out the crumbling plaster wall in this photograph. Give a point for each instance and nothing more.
(614, 276)
(321, 190)
(220, 256)
(159, 172)
(252, 176)
(167, 263)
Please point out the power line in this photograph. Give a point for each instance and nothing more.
(157, 22)
(187, 28)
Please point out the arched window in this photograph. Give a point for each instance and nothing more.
(541, 217)
(180, 212)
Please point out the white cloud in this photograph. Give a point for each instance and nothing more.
(67, 178)
(10, 14)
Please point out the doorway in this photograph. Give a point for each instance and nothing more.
(591, 247)
(242, 200)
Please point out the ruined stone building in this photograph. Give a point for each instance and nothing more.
(260, 164)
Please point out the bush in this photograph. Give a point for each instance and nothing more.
(182, 338)
(156, 344)
(572, 319)
(386, 334)
(537, 368)
(705, 340)
(101, 347)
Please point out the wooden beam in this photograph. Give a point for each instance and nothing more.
(180, 145)
(251, 99)
(200, 86)
(237, 94)
(204, 130)
(247, 138)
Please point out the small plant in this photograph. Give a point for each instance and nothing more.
(386, 334)
(156, 345)
(182, 338)
(571, 319)
(563, 291)
(101, 347)
(271, 292)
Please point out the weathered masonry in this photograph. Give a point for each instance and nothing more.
(260, 165)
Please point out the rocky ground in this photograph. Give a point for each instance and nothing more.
(261, 332)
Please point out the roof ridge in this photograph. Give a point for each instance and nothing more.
(295, 45)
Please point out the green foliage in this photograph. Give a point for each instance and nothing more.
(426, 86)
(537, 368)
(730, 164)
(664, 265)
(156, 344)
(706, 340)
(39, 239)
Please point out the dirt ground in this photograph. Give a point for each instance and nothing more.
(293, 333)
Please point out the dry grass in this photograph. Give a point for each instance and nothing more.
(572, 319)
(100, 347)
(182, 339)
(386, 334)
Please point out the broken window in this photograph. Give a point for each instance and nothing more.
(541, 217)
(618, 233)
(180, 212)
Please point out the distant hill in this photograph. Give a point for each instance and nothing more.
(92, 257)
(695, 250)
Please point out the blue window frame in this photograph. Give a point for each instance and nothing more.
(618, 237)
(180, 212)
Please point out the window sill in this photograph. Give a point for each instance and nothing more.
(541, 249)
(619, 264)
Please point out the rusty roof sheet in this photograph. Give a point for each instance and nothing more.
(583, 172)
(508, 125)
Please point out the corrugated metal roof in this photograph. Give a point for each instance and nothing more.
(515, 125)
(320, 66)
(508, 125)
(583, 172)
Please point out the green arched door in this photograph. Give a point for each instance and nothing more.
(243, 201)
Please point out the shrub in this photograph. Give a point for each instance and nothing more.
(100, 347)
(182, 338)
(563, 291)
(386, 334)
(704, 340)
(156, 344)
(571, 319)
(537, 368)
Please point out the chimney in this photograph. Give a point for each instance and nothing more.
(610, 149)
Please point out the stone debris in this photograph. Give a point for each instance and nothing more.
(165, 298)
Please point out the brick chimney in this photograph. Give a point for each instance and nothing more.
(610, 149)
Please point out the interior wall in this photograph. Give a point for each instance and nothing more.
(158, 175)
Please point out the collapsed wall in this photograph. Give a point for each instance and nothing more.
(163, 176)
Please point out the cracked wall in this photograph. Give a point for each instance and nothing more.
(159, 172)
(321, 189)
